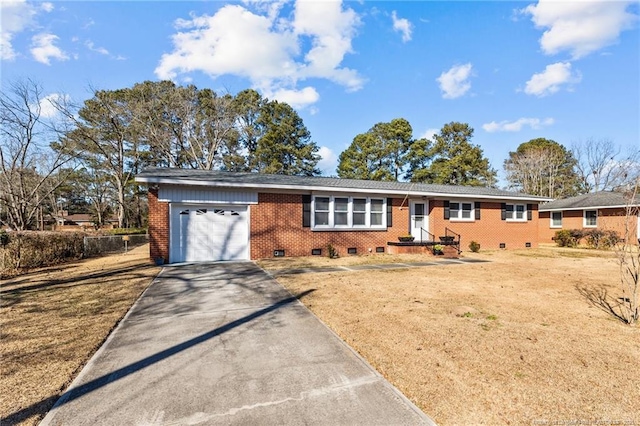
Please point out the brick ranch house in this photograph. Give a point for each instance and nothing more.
(600, 210)
(199, 215)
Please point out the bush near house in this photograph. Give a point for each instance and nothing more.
(568, 237)
(601, 239)
(595, 238)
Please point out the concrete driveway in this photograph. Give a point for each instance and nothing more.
(224, 343)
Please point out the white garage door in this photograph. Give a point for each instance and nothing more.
(202, 233)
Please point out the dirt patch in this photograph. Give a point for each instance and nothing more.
(513, 341)
(52, 320)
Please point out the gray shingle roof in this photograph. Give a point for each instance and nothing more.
(256, 180)
(594, 200)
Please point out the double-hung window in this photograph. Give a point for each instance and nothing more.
(377, 210)
(461, 211)
(359, 212)
(556, 219)
(516, 212)
(590, 218)
(321, 213)
(340, 212)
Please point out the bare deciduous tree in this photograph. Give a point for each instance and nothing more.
(628, 253)
(602, 165)
(28, 168)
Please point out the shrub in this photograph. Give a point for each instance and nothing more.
(29, 249)
(331, 251)
(474, 246)
(568, 237)
(602, 240)
(127, 231)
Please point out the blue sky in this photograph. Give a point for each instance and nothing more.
(514, 71)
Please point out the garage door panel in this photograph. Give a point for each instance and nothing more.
(204, 234)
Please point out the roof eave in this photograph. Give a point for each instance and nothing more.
(172, 181)
(542, 209)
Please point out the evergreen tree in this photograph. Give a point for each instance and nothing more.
(285, 147)
(452, 160)
(378, 154)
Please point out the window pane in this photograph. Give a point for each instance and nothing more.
(340, 218)
(359, 204)
(341, 204)
(556, 218)
(376, 205)
(454, 206)
(376, 219)
(591, 216)
(321, 218)
(419, 209)
(519, 211)
(322, 203)
(466, 210)
(359, 219)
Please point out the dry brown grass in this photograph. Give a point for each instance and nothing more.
(513, 341)
(274, 264)
(52, 321)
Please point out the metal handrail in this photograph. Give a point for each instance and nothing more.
(447, 231)
(429, 234)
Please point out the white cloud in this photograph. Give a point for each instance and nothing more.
(15, 17)
(43, 48)
(47, 104)
(428, 134)
(551, 79)
(91, 46)
(580, 27)
(455, 82)
(516, 126)
(266, 48)
(295, 98)
(402, 26)
(47, 6)
(328, 161)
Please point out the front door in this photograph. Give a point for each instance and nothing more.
(419, 219)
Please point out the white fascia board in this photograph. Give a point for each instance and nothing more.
(542, 209)
(331, 189)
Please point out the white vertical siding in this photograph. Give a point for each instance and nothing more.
(189, 194)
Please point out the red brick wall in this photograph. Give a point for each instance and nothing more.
(608, 219)
(489, 231)
(276, 223)
(158, 227)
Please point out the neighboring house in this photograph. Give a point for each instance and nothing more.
(599, 210)
(198, 215)
(73, 222)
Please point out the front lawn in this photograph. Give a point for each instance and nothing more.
(52, 321)
(513, 341)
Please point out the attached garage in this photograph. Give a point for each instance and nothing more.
(207, 224)
(208, 232)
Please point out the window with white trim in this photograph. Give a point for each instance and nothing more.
(516, 212)
(359, 216)
(377, 211)
(340, 212)
(461, 211)
(321, 211)
(590, 218)
(556, 219)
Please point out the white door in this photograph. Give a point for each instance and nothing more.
(419, 219)
(204, 233)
